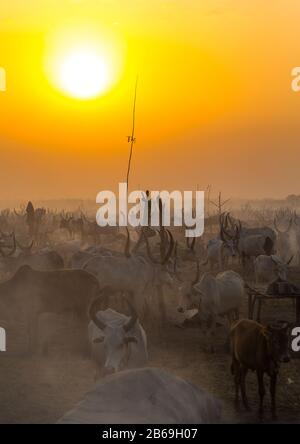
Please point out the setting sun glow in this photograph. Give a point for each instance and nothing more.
(83, 63)
(83, 74)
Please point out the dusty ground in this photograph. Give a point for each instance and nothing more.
(41, 390)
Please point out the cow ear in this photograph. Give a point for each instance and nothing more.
(98, 340)
(129, 339)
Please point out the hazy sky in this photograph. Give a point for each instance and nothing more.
(214, 102)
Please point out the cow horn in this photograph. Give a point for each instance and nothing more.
(151, 257)
(197, 274)
(175, 257)
(93, 314)
(133, 318)
(191, 245)
(225, 223)
(127, 245)
(222, 235)
(175, 269)
(18, 214)
(170, 250)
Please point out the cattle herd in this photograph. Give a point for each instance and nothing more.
(121, 285)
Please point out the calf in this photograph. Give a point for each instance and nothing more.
(261, 349)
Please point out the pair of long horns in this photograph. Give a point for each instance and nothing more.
(27, 248)
(165, 256)
(94, 307)
(283, 231)
(191, 244)
(225, 220)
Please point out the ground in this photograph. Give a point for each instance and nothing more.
(42, 389)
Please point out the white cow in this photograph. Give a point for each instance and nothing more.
(117, 341)
(145, 396)
(219, 252)
(269, 268)
(215, 297)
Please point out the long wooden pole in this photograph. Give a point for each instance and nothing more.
(131, 138)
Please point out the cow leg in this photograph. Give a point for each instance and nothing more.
(244, 371)
(236, 370)
(230, 318)
(273, 395)
(261, 391)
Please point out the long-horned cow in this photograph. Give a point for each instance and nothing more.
(253, 241)
(214, 297)
(135, 274)
(117, 341)
(269, 268)
(220, 249)
(44, 259)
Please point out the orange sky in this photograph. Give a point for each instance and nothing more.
(214, 102)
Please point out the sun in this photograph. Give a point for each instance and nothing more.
(83, 74)
(83, 62)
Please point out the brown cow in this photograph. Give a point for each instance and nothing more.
(31, 292)
(261, 349)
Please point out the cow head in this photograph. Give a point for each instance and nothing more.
(278, 341)
(115, 340)
(189, 294)
(281, 268)
(230, 248)
(188, 300)
(230, 237)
